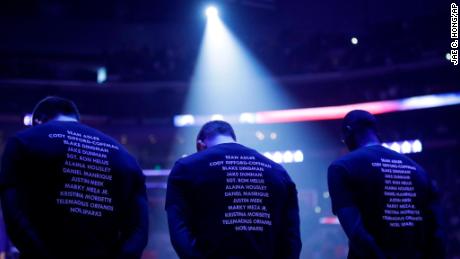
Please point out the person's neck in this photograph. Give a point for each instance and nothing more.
(64, 118)
(221, 139)
(370, 140)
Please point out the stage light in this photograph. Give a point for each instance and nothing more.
(406, 147)
(212, 12)
(228, 80)
(217, 117)
(247, 117)
(288, 157)
(260, 135)
(101, 75)
(184, 120)
(277, 157)
(273, 135)
(285, 157)
(27, 120)
(326, 195)
(226, 74)
(325, 112)
(268, 155)
(417, 146)
(396, 147)
(317, 209)
(448, 56)
(298, 156)
(354, 40)
(429, 101)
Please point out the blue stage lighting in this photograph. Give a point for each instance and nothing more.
(212, 12)
(354, 40)
(101, 75)
(28, 119)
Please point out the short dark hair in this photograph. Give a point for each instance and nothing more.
(52, 106)
(359, 120)
(214, 128)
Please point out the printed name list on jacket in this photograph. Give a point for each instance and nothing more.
(88, 174)
(245, 193)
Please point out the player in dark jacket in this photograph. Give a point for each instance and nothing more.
(70, 191)
(386, 203)
(229, 201)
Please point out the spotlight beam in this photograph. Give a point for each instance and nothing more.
(212, 12)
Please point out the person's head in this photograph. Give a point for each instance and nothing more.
(359, 128)
(53, 107)
(213, 133)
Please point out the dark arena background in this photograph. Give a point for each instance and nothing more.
(283, 72)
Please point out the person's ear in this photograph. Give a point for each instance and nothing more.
(345, 130)
(200, 145)
(346, 133)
